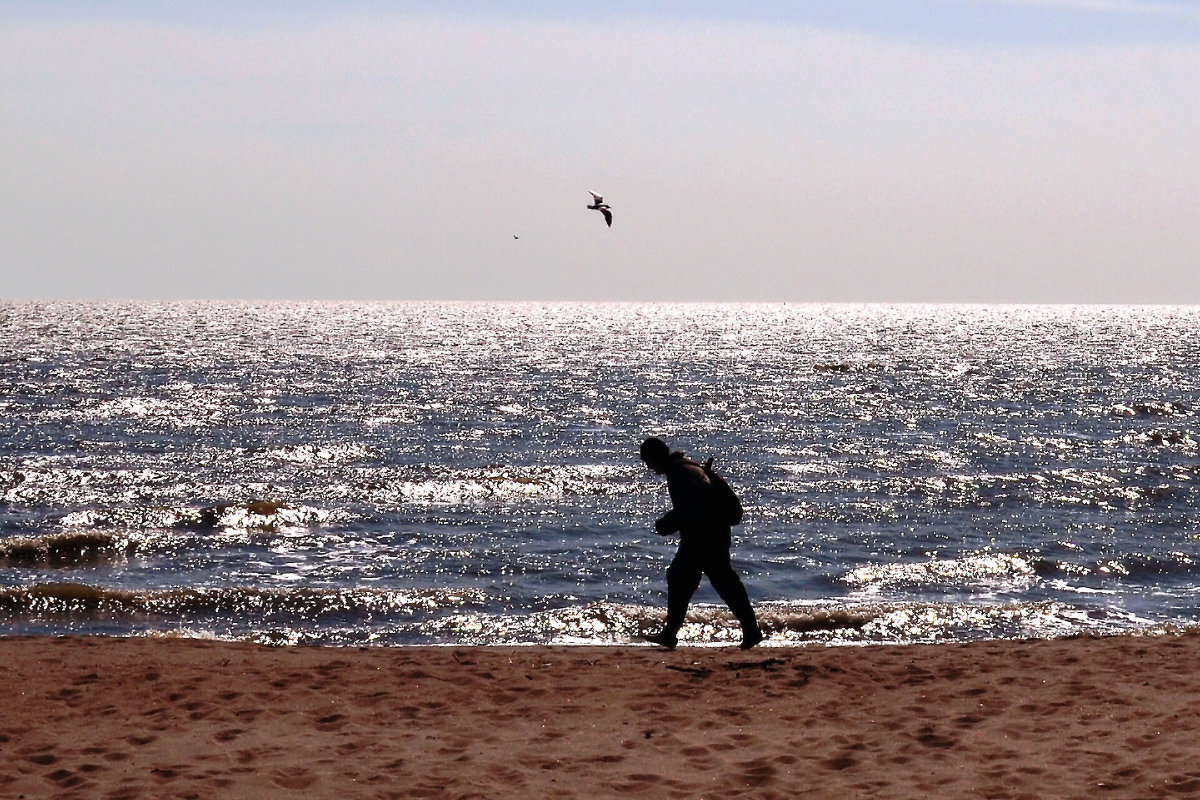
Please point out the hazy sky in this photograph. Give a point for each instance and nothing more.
(975, 150)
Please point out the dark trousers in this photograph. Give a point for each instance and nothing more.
(683, 578)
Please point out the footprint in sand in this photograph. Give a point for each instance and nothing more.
(293, 779)
(65, 778)
(930, 738)
(839, 763)
(169, 772)
(757, 771)
(1182, 784)
(606, 759)
(331, 722)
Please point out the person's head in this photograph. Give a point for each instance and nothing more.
(656, 454)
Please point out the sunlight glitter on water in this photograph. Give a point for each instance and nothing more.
(917, 456)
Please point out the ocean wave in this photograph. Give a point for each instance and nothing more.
(1004, 572)
(183, 408)
(983, 571)
(1129, 568)
(1163, 437)
(313, 453)
(877, 367)
(491, 485)
(71, 548)
(1152, 408)
(133, 407)
(42, 483)
(254, 515)
(933, 623)
(231, 602)
(105, 536)
(615, 623)
(784, 623)
(841, 498)
(351, 617)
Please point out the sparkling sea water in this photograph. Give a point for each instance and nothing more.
(457, 473)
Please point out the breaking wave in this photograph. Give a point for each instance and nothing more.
(63, 549)
(490, 485)
(981, 572)
(255, 515)
(461, 617)
(304, 603)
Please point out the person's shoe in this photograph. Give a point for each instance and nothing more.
(751, 638)
(663, 639)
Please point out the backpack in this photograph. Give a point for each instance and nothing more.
(728, 504)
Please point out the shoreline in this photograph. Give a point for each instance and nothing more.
(148, 717)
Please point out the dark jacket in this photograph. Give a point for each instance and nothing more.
(694, 513)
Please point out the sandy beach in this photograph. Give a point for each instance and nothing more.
(173, 718)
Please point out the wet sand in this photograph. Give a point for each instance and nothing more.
(171, 718)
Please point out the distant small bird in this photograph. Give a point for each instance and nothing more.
(598, 204)
(515, 236)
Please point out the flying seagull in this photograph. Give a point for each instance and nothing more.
(598, 204)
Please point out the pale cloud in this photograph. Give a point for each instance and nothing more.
(390, 157)
(1124, 7)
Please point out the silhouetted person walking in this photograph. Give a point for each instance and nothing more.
(701, 514)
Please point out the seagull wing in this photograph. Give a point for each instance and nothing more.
(597, 199)
(607, 216)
